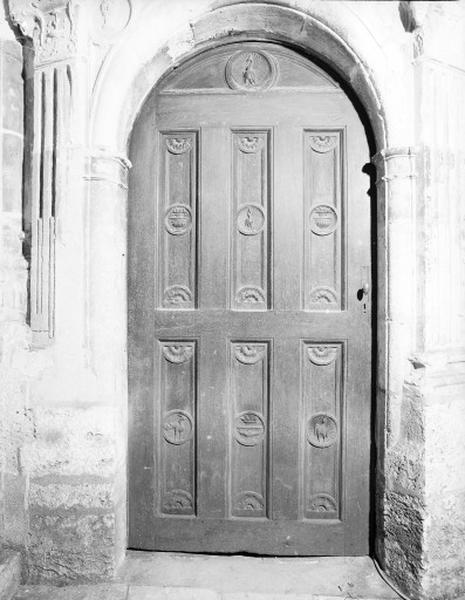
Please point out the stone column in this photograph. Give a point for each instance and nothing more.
(52, 84)
(14, 338)
(399, 441)
(107, 246)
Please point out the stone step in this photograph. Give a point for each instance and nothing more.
(10, 573)
(124, 592)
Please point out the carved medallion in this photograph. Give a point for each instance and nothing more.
(249, 144)
(178, 353)
(323, 143)
(323, 219)
(322, 503)
(177, 296)
(249, 504)
(249, 354)
(249, 428)
(178, 219)
(323, 295)
(251, 70)
(250, 294)
(109, 18)
(250, 219)
(322, 431)
(178, 145)
(322, 355)
(177, 427)
(177, 502)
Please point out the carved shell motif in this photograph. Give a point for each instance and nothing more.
(249, 354)
(322, 503)
(177, 296)
(178, 353)
(323, 295)
(249, 144)
(322, 355)
(250, 295)
(178, 145)
(177, 502)
(249, 503)
(323, 143)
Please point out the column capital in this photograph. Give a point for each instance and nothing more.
(395, 163)
(103, 165)
(49, 24)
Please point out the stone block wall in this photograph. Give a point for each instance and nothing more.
(63, 365)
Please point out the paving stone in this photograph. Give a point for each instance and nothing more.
(171, 593)
(78, 592)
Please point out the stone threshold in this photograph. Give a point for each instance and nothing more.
(176, 576)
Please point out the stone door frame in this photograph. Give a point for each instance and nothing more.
(91, 194)
(395, 181)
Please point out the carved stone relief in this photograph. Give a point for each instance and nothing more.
(177, 502)
(178, 219)
(249, 354)
(177, 296)
(323, 219)
(251, 71)
(250, 219)
(250, 294)
(249, 504)
(50, 25)
(322, 503)
(178, 353)
(323, 143)
(177, 427)
(322, 431)
(322, 355)
(249, 428)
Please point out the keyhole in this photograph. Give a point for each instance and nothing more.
(361, 296)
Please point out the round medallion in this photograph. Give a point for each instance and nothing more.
(322, 431)
(177, 428)
(250, 70)
(323, 219)
(250, 219)
(250, 428)
(178, 219)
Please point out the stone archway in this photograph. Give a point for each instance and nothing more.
(94, 341)
(395, 170)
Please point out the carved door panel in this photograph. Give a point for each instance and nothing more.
(249, 348)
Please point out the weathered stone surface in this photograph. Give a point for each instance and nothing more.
(78, 592)
(70, 545)
(10, 573)
(64, 424)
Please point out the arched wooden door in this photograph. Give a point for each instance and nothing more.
(249, 332)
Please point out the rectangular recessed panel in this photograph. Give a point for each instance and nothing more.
(323, 285)
(177, 217)
(249, 428)
(251, 217)
(322, 371)
(177, 435)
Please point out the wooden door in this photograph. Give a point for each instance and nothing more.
(249, 332)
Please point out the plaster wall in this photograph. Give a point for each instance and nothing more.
(64, 378)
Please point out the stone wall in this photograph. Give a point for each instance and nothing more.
(87, 68)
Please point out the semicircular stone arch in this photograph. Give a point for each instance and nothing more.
(126, 78)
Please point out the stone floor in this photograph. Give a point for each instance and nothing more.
(171, 576)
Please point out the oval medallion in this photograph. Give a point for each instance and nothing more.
(177, 427)
(323, 219)
(250, 428)
(178, 219)
(322, 431)
(250, 70)
(250, 219)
